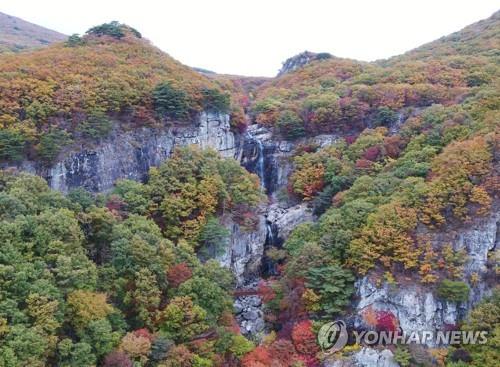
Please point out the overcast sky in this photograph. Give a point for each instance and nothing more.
(253, 37)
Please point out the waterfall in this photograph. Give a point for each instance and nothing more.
(268, 265)
(260, 164)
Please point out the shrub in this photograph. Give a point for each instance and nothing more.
(304, 339)
(334, 284)
(214, 238)
(454, 291)
(323, 56)
(170, 102)
(402, 357)
(240, 346)
(178, 274)
(215, 101)
(385, 116)
(113, 29)
(74, 40)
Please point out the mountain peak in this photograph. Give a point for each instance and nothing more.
(300, 60)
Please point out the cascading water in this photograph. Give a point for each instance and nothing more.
(269, 266)
(260, 164)
(248, 303)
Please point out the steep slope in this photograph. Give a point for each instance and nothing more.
(332, 94)
(74, 91)
(18, 35)
(481, 38)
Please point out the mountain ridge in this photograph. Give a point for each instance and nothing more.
(17, 34)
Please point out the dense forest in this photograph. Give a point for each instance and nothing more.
(129, 277)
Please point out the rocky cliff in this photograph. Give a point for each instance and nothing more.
(415, 306)
(130, 154)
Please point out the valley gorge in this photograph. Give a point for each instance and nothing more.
(97, 168)
(154, 214)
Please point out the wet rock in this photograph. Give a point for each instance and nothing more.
(248, 312)
(286, 219)
(251, 314)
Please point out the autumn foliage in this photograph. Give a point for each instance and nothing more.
(178, 274)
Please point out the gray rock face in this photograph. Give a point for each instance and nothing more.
(286, 219)
(130, 154)
(277, 163)
(480, 240)
(366, 357)
(415, 306)
(244, 254)
(245, 257)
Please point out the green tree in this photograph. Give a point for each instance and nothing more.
(334, 285)
(485, 317)
(454, 291)
(385, 116)
(290, 125)
(144, 299)
(81, 197)
(206, 294)
(213, 238)
(100, 336)
(134, 194)
(51, 143)
(181, 320)
(96, 126)
(75, 354)
(214, 100)
(170, 102)
(11, 145)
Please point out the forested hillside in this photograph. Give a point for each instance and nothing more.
(73, 91)
(115, 279)
(134, 276)
(419, 151)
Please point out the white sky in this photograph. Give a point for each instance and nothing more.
(253, 37)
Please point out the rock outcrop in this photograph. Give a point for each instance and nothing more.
(245, 251)
(415, 306)
(300, 60)
(286, 219)
(130, 154)
(366, 357)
